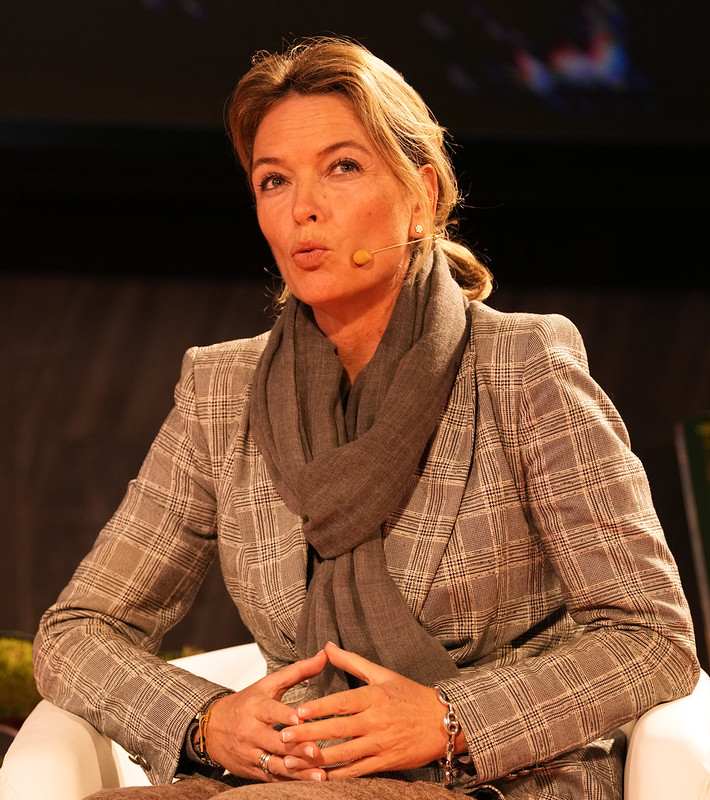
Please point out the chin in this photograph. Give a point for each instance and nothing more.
(313, 290)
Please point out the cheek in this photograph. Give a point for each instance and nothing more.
(397, 208)
(384, 214)
(268, 224)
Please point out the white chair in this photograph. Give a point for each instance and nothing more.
(58, 755)
(669, 750)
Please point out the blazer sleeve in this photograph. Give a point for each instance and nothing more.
(95, 649)
(588, 503)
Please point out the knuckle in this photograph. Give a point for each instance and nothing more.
(377, 690)
(381, 725)
(337, 728)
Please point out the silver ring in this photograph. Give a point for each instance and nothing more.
(264, 762)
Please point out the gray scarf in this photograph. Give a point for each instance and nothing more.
(344, 465)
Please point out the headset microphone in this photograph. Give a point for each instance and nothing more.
(362, 257)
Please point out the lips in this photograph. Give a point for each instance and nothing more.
(309, 254)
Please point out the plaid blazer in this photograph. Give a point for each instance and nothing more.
(528, 545)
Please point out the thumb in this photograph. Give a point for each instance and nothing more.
(278, 682)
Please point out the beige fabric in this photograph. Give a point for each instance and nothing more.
(355, 789)
(193, 788)
(538, 563)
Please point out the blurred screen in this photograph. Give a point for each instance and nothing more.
(516, 69)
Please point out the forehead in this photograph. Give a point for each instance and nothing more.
(306, 122)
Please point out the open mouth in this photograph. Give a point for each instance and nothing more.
(309, 254)
(309, 247)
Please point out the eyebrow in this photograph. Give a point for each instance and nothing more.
(331, 148)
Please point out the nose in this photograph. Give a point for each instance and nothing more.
(308, 201)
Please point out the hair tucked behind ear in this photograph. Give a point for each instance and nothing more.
(398, 121)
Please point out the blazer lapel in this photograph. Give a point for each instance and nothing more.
(262, 548)
(418, 532)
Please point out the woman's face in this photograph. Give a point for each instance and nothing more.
(322, 193)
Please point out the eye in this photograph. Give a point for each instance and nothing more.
(272, 181)
(345, 166)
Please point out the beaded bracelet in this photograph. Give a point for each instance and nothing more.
(453, 727)
(202, 718)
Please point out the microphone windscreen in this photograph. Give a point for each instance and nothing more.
(362, 257)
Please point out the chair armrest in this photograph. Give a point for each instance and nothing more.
(234, 667)
(669, 749)
(56, 754)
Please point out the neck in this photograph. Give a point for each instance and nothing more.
(356, 335)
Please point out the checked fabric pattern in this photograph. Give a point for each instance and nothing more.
(528, 546)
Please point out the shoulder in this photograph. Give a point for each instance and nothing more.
(223, 369)
(235, 354)
(509, 338)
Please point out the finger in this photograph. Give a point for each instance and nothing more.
(351, 701)
(357, 768)
(323, 730)
(306, 750)
(241, 729)
(294, 764)
(278, 682)
(356, 665)
(280, 768)
(271, 712)
(350, 753)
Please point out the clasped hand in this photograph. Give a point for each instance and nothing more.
(390, 723)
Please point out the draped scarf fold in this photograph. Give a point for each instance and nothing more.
(343, 465)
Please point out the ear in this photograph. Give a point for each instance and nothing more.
(422, 216)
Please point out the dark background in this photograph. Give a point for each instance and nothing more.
(581, 133)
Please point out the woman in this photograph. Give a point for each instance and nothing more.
(424, 508)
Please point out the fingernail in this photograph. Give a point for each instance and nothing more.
(289, 762)
(303, 712)
(317, 776)
(310, 751)
(286, 736)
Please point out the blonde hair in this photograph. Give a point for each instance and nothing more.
(400, 124)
